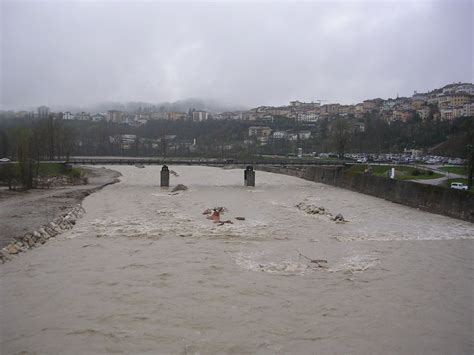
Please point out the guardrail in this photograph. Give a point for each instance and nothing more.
(161, 161)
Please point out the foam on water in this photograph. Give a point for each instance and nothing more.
(397, 236)
(259, 261)
(355, 263)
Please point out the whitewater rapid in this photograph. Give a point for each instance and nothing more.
(144, 271)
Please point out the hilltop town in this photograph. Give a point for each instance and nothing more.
(449, 102)
(394, 124)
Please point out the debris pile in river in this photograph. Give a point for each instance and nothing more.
(311, 209)
(321, 210)
(322, 263)
(215, 213)
(179, 187)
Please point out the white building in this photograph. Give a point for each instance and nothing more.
(199, 116)
(308, 117)
(98, 117)
(83, 116)
(68, 116)
(418, 96)
(115, 116)
(468, 110)
(280, 135)
(467, 88)
(446, 113)
(303, 135)
(43, 111)
(292, 136)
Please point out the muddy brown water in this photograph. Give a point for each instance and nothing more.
(145, 272)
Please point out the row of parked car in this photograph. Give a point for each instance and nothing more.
(404, 159)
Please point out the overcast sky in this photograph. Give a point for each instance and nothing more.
(247, 53)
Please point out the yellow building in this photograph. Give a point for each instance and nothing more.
(460, 99)
(174, 116)
(417, 104)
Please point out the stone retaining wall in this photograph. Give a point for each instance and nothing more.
(35, 239)
(430, 198)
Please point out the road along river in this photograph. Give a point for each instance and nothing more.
(144, 271)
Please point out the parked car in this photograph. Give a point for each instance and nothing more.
(458, 186)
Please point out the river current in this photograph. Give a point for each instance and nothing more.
(145, 272)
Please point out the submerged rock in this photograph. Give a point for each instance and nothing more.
(310, 208)
(313, 209)
(179, 187)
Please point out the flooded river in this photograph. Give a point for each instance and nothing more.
(144, 271)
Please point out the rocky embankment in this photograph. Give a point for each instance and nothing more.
(41, 236)
(29, 219)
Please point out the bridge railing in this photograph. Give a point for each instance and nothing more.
(161, 161)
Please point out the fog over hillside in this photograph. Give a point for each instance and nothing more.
(180, 105)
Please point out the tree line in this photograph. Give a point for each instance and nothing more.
(51, 138)
(30, 141)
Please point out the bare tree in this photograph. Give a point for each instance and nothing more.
(340, 135)
(25, 158)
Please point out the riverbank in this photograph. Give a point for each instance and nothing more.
(26, 211)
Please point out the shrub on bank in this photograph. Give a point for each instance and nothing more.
(44, 175)
(9, 175)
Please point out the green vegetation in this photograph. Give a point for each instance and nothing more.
(460, 170)
(229, 138)
(57, 169)
(402, 172)
(52, 169)
(11, 174)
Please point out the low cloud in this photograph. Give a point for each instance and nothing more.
(58, 53)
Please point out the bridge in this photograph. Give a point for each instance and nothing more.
(249, 173)
(198, 161)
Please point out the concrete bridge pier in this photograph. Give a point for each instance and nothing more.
(165, 177)
(249, 176)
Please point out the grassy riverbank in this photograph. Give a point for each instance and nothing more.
(460, 170)
(402, 172)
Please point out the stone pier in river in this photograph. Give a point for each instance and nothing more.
(165, 177)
